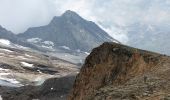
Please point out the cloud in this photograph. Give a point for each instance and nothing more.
(114, 16)
(18, 15)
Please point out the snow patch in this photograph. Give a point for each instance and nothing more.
(4, 74)
(7, 79)
(1, 97)
(5, 42)
(14, 81)
(86, 53)
(77, 72)
(40, 80)
(65, 47)
(115, 49)
(48, 47)
(6, 50)
(25, 64)
(22, 47)
(42, 43)
(1, 69)
(4, 78)
(48, 43)
(27, 55)
(39, 71)
(21, 57)
(34, 40)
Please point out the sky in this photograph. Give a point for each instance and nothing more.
(114, 16)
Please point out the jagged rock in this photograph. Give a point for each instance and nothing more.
(115, 72)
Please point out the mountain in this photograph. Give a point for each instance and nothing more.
(7, 38)
(6, 34)
(118, 72)
(69, 37)
(68, 31)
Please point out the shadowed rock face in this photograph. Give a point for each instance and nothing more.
(51, 89)
(110, 66)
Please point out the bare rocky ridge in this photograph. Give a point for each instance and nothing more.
(117, 72)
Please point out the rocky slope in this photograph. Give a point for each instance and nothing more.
(24, 67)
(69, 37)
(29, 75)
(51, 89)
(15, 40)
(68, 31)
(117, 72)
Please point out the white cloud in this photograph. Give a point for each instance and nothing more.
(116, 16)
(18, 15)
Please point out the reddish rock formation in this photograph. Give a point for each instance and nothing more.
(112, 65)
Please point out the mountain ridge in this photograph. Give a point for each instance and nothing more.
(69, 37)
(70, 29)
(115, 72)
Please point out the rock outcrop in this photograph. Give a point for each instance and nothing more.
(51, 89)
(115, 72)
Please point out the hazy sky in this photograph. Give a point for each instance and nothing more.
(113, 15)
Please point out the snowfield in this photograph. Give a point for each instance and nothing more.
(25, 64)
(48, 43)
(20, 67)
(48, 47)
(5, 42)
(34, 40)
(42, 43)
(65, 47)
(27, 55)
(1, 98)
(5, 80)
(87, 53)
(6, 50)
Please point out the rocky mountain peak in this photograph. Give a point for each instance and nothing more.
(70, 30)
(67, 16)
(112, 68)
(70, 13)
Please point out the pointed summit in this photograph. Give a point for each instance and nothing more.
(70, 13)
(70, 30)
(67, 15)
